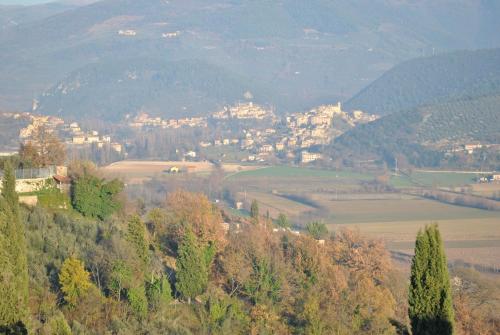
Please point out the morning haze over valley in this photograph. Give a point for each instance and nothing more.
(250, 167)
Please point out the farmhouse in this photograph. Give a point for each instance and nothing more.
(174, 169)
(469, 148)
(191, 154)
(307, 157)
(128, 32)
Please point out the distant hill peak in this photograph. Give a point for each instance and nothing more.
(430, 80)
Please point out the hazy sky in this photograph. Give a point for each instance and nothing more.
(22, 2)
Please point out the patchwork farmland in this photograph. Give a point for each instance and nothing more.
(346, 199)
(340, 199)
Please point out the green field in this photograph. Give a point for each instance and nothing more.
(294, 180)
(416, 178)
(362, 211)
(433, 179)
(229, 153)
(289, 172)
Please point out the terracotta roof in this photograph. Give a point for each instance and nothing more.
(62, 179)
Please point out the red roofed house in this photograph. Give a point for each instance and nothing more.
(63, 183)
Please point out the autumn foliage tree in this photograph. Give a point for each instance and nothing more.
(74, 280)
(193, 211)
(43, 149)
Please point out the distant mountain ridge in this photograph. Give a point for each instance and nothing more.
(301, 53)
(14, 15)
(431, 80)
(176, 88)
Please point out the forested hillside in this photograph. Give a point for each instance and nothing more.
(475, 119)
(113, 89)
(106, 265)
(415, 133)
(431, 80)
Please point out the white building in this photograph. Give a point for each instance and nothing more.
(307, 157)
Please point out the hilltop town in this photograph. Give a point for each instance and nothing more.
(251, 132)
(262, 134)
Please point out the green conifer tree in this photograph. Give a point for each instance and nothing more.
(192, 268)
(13, 259)
(254, 210)
(9, 187)
(430, 301)
(138, 300)
(283, 221)
(137, 236)
(158, 292)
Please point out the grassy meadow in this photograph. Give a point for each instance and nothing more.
(297, 172)
(433, 179)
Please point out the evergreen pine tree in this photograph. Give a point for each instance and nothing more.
(159, 292)
(138, 301)
(283, 221)
(7, 280)
(430, 301)
(9, 187)
(254, 210)
(13, 259)
(137, 236)
(192, 268)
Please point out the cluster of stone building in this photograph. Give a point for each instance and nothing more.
(76, 136)
(71, 133)
(51, 123)
(244, 111)
(240, 111)
(144, 120)
(470, 148)
(302, 131)
(314, 127)
(295, 135)
(132, 32)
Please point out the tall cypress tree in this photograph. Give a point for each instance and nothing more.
(9, 187)
(137, 236)
(192, 268)
(13, 259)
(430, 301)
(254, 210)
